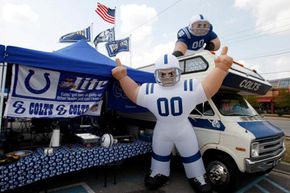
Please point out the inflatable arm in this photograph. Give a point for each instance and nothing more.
(129, 86)
(213, 81)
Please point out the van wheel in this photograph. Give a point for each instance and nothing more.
(222, 173)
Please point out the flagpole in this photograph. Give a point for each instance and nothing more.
(115, 25)
(92, 41)
(115, 21)
(130, 48)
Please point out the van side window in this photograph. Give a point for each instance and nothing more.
(231, 104)
(203, 108)
(207, 109)
(199, 108)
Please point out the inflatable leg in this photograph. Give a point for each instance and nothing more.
(160, 162)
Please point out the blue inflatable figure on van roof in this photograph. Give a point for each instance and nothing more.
(196, 36)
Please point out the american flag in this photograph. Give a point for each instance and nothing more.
(106, 13)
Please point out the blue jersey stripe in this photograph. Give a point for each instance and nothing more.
(192, 158)
(165, 59)
(152, 88)
(185, 85)
(161, 158)
(187, 32)
(190, 85)
(147, 88)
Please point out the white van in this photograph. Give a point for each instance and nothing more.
(233, 138)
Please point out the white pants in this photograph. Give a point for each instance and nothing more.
(183, 137)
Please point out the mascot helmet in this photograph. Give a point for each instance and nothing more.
(167, 70)
(199, 26)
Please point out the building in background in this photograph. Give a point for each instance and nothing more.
(276, 100)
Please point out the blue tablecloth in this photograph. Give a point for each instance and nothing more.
(65, 159)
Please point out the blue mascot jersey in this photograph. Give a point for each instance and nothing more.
(194, 42)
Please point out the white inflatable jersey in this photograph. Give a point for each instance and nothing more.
(171, 107)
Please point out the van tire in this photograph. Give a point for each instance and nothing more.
(222, 172)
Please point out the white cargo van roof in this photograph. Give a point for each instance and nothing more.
(239, 79)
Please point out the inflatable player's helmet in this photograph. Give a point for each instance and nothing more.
(199, 26)
(167, 70)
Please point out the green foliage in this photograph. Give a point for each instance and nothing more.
(253, 101)
(283, 100)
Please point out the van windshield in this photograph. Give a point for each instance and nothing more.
(233, 105)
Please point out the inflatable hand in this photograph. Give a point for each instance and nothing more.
(224, 62)
(120, 71)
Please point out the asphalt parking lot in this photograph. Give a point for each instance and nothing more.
(129, 178)
(274, 182)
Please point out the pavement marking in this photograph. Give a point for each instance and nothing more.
(255, 184)
(261, 188)
(250, 185)
(277, 185)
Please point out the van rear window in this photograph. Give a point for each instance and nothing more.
(192, 65)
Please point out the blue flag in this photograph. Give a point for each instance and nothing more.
(84, 34)
(117, 46)
(105, 36)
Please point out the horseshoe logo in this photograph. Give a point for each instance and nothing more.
(32, 90)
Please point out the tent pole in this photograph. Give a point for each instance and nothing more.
(130, 48)
(2, 96)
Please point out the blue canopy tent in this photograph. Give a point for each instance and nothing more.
(79, 57)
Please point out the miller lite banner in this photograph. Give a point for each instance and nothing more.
(37, 92)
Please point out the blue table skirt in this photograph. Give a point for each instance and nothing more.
(68, 158)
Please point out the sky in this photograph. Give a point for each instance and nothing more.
(257, 32)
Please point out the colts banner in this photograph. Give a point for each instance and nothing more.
(84, 34)
(39, 92)
(105, 36)
(117, 46)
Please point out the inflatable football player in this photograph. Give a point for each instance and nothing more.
(198, 33)
(171, 101)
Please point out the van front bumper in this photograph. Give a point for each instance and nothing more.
(264, 164)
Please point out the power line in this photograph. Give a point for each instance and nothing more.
(268, 55)
(257, 36)
(161, 12)
(274, 72)
(257, 27)
(256, 33)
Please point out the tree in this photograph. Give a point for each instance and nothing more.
(283, 100)
(252, 100)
